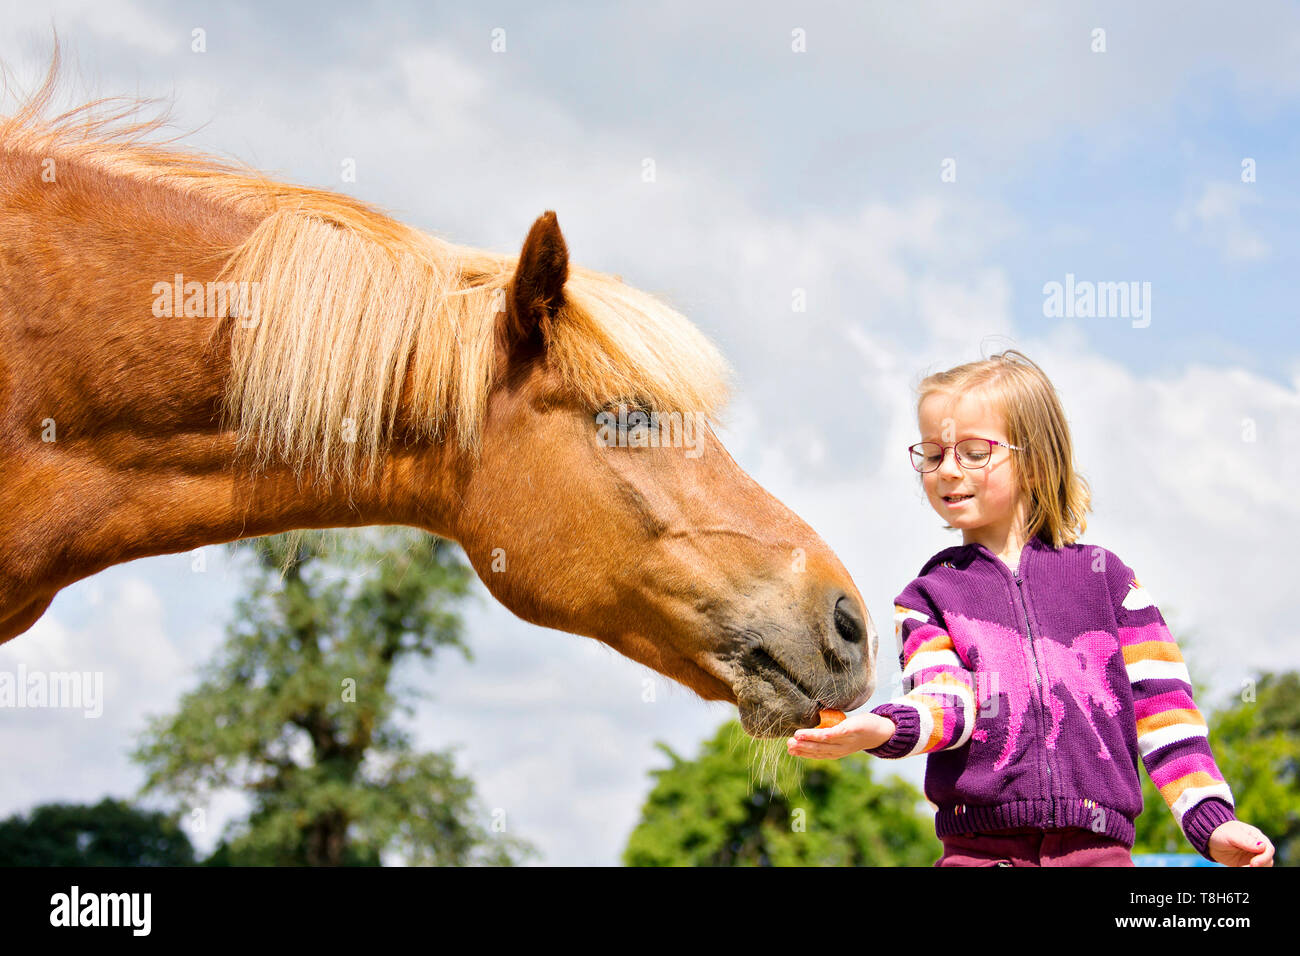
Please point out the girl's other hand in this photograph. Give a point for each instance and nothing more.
(1239, 844)
(855, 732)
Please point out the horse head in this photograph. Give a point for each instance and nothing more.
(610, 515)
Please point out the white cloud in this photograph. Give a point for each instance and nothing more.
(1216, 216)
(118, 22)
(123, 641)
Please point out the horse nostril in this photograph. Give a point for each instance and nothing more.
(848, 620)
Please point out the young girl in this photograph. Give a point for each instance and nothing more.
(1036, 669)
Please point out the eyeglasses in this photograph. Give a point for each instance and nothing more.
(970, 453)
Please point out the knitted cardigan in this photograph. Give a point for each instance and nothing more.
(1035, 690)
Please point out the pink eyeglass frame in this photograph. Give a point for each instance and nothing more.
(953, 446)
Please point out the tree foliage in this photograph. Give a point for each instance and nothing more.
(711, 811)
(1256, 745)
(110, 833)
(298, 709)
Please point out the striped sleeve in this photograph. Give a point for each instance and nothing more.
(1172, 735)
(936, 710)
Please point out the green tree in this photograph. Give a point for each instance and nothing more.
(297, 710)
(110, 833)
(1256, 744)
(711, 812)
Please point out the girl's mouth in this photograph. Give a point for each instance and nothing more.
(954, 501)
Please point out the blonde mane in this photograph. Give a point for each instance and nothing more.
(351, 302)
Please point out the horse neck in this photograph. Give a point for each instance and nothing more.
(112, 448)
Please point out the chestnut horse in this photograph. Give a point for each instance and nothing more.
(193, 353)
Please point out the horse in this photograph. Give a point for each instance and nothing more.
(192, 353)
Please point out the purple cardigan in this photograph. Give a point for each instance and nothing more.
(1036, 690)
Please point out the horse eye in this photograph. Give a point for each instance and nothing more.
(624, 417)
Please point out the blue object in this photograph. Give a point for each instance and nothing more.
(1171, 859)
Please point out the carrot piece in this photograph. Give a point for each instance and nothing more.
(830, 718)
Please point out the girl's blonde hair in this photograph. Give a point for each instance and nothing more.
(1057, 497)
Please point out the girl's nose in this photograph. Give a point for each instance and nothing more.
(949, 466)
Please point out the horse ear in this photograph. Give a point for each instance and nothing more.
(537, 288)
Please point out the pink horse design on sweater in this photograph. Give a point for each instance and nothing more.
(1079, 668)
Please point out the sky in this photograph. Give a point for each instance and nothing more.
(922, 172)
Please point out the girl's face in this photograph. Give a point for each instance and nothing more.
(990, 514)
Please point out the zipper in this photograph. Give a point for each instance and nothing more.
(1038, 682)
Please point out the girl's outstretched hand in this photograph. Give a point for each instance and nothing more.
(855, 732)
(1239, 844)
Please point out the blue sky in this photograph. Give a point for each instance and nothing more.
(776, 170)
